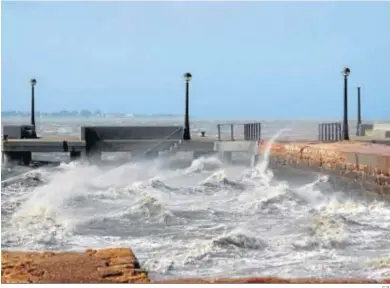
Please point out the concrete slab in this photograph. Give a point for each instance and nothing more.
(237, 146)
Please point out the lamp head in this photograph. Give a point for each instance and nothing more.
(33, 82)
(346, 71)
(187, 76)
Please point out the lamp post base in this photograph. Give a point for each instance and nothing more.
(186, 134)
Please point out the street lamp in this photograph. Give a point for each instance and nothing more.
(359, 112)
(187, 134)
(346, 72)
(33, 82)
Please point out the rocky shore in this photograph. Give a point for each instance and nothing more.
(115, 265)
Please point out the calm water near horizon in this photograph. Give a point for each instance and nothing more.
(198, 219)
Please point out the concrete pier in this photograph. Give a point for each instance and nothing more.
(151, 155)
(75, 155)
(21, 158)
(254, 160)
(146, 141)
(199, 154)
(226, 156)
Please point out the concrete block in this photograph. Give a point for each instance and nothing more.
(237, 146)
(363, 128)
(19, 132)
(381, 126)
(75, 155)
(226, 156)
(131, 132)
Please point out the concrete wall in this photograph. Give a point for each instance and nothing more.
(364, 128)
(379, 130)
(132, 132)
(19, 131)
(236, 146)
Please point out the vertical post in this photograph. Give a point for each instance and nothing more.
(339, 131)
(260, 131)
(345, 121)
(326, 132)
(334, 138)
(359, 113)
(319, 132)
(219, 132)
(232, 132)
(33, 82)
(187, 134)
(323, 131)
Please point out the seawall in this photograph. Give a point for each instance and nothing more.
(367, 164)
(115, 265)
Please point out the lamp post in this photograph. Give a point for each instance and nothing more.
(346, 73)
(359, 112)
(33, 82)
(187, 134)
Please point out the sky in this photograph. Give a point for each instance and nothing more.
(279, 60)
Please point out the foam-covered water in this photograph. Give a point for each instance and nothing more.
(206, 219)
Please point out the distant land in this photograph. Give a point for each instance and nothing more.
(81, 113)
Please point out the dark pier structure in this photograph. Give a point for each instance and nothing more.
(20, 141)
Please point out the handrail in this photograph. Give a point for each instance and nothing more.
(251, 131)
(161, 141)
(329, 132)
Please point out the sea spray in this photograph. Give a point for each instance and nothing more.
(180, 226)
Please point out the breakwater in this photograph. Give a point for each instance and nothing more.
(367, 164)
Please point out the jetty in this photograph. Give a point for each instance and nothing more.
(145, 141)
(367, 153)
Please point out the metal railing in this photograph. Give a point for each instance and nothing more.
(252, 131)
(162, 140)
(329, 132)
(239, 131)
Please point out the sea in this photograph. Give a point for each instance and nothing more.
(187, 218)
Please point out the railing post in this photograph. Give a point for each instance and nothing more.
(332, 132)
(326, 132)
(245, 131)
(232, 131)
(340, 132)
(259, 136)
(219, 132)
(319, 132)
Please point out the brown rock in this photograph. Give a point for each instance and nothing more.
(93, 266)
(107, 266)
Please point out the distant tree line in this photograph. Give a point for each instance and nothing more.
(62, 113)
(75, 113)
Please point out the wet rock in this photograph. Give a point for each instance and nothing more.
(93, 266)
(116, 265)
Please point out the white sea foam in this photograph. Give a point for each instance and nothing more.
(201, 220)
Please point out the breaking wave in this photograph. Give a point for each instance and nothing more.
(205, 219)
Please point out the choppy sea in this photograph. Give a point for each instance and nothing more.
(199, 218)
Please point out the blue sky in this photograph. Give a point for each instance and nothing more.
(248, 59)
